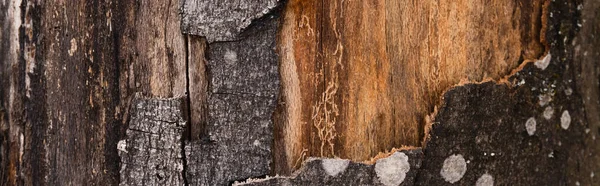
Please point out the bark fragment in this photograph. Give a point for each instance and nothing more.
(151, 152)
(222, 20)
(242, 93)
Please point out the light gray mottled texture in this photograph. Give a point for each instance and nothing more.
(243, 87)
(151, 152)
(222, 20)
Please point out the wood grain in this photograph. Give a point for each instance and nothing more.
(359, 77)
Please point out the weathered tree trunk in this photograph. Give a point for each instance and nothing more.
(218, 92)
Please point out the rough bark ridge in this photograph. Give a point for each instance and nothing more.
(151, 152)
(219, 20)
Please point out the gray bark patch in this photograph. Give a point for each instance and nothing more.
(242, 96)
(151, 152)
(222, 20)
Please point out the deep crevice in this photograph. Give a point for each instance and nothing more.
(187, 129)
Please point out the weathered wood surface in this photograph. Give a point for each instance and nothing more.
(69, 72)
(151, 153)
(11, 93)
(72, 70)
(361, 76)
(60, 94)
(152, 49)
(220, 20)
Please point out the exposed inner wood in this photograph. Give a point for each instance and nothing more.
(359, 77)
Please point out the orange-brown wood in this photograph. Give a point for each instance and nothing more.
(359, 77)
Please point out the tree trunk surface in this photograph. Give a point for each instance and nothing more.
(299, 92)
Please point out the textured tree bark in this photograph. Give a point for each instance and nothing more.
(365, 74)
(211, 92)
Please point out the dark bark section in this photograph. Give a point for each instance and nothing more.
(151, 152)
(242, 93)
(583, 52)
(319, 172)
(222, 20)
(59, 94)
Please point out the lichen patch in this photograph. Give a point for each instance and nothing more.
(454, 168)
(565, 120)
(485, 180)
(548, 113)
(530, 126)
(333, 167)
(392, 170)
(544, 62)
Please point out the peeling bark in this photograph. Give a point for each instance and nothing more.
(361, 76)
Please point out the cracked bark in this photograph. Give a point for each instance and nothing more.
(151, 152)
(69, 73)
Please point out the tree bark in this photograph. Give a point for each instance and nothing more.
(299, 92)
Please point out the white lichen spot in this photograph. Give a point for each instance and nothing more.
(568, 91)
(122, 146)
(454, 168)
(73, 48)
(565, 120)
(392, 170)
(530, 126)
(230, 57)
(256, 143)
(333, 167)
(548, 113)
(522, 82)
(544, 62)
(544, 99)
(485, 180)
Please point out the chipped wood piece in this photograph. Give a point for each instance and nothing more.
(359, 77)
(151, 153)
(197, 86)
(222, 20)
(242, 95)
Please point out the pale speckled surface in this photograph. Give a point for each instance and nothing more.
(151, 152)
(222, 20)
